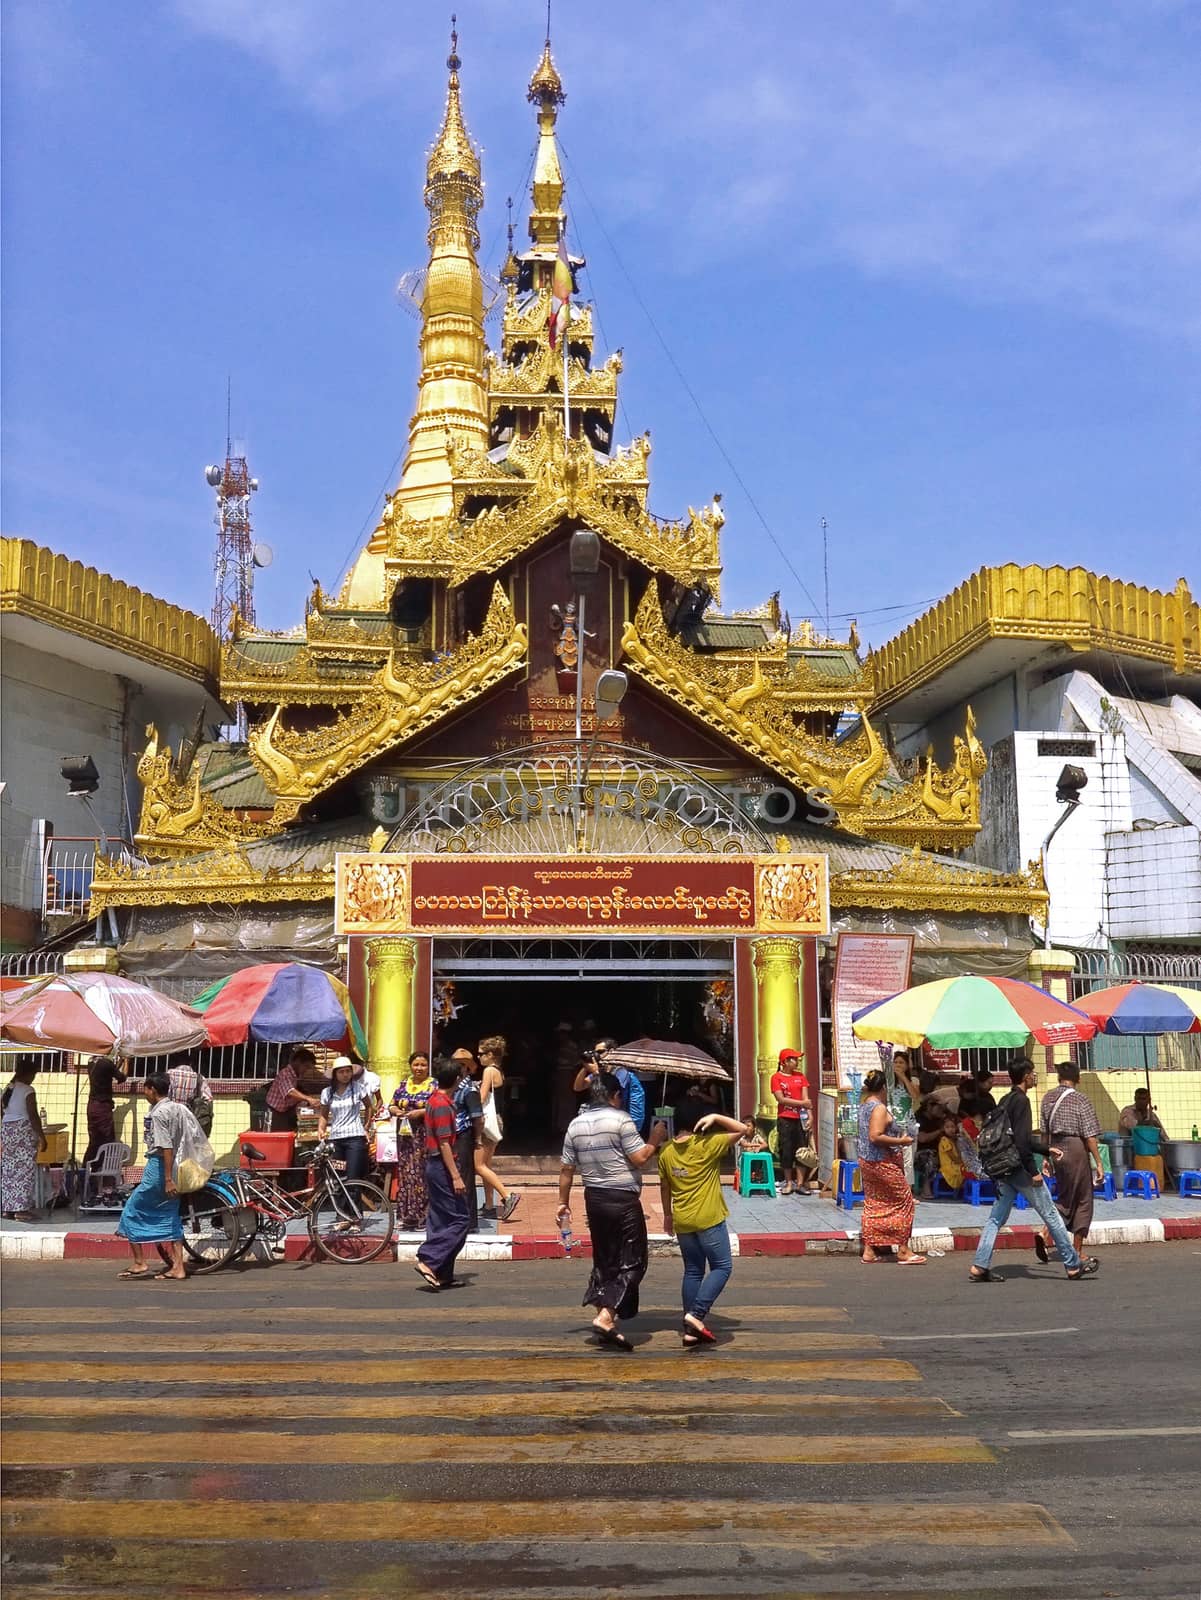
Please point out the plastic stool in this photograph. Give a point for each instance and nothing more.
(846, 1194)
(979, 1191)
(1143, 1184)
(1108, 1189)
(940, 1189)
(1189, 1183)
(747, 1182)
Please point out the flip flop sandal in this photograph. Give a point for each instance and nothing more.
(614, 1340)
(431, 1281)
(1087, 1268)
(912, 1261)
(699, 1331)
(985, 1275)
(1040, 1249)
(135, 1277)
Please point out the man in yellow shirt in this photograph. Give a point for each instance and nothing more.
(694, 1209)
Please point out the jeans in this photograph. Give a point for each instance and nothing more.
(354, 1152)
(708, 1248)
(1037, 1196)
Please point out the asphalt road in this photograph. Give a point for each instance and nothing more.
(861, 1431)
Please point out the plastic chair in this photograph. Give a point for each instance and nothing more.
(109, 1162)
(980, 1191)
(1108, 1189)
(940, 1189)
(1143, 1184)
(846, 1194)
(1189, 1182)
(748, 1183)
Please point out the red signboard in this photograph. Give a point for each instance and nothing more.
(471, 894)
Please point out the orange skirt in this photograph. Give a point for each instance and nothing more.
(887, 1204)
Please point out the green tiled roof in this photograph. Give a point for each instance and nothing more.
(719, 634)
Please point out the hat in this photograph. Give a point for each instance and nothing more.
(789, 1055)
(341, 1061)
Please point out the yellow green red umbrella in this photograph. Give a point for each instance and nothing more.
(969, 1013)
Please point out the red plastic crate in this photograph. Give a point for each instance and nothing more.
(277, 1149)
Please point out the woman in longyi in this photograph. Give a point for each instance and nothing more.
(888, 1207)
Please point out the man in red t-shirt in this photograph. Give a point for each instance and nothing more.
(794, 1122)
(446, 1220)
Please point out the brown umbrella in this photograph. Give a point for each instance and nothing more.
(665, 1056)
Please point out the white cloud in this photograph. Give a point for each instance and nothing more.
(1003, 153)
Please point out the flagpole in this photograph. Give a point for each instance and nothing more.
(566, 400)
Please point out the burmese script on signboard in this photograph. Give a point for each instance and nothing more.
(468, 894)
(867, 967)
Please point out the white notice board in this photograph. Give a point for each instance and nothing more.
(827, 1136)
(867, 967)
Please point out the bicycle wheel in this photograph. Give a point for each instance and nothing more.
(351, 1221)
(212, 1230)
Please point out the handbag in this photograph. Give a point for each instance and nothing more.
(385, 1142)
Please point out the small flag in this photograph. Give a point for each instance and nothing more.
(560, 295)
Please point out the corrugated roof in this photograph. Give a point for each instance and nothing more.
(262, 652)
(715, 633)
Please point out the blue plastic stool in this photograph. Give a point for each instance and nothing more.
(1190, 1183)
(1109, 1190)
(1143, 1184)
(747, 1182)
(980, 1191)
(847, 1195)
(940, 1189)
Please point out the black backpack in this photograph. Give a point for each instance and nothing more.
(996, 1146)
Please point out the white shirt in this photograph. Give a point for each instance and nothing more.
(344, 1109)
(17, 1109)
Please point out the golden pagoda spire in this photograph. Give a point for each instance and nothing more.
(546, 92)
(452, 400)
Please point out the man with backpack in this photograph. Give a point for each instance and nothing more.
(1008, 1156)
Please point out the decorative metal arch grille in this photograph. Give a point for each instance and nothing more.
(564, 798)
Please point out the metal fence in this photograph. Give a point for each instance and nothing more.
(1169, 1052)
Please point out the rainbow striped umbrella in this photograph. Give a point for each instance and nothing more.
(972, 1014)
(281, 1002)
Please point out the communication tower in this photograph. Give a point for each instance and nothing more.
(237, 554)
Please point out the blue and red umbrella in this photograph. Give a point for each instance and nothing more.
(1134, 1008)
(281, 1002)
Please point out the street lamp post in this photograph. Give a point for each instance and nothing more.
(1067, 791)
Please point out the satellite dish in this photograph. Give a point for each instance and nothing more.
(212, 476)
(254, 483)
(263, 555)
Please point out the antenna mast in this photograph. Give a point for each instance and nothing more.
(236, 555)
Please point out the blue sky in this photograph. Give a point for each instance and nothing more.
(931, 267)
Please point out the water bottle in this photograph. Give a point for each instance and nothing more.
(565, 1232)
(1194, 1133)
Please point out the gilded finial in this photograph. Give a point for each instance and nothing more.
(546, 86)
(453, 154)
(510, 271)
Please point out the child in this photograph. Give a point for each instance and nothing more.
(694, 1209)
(957, 1158)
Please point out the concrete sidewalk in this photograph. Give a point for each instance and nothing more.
(787, 1226)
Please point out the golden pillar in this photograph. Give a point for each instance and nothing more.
(391, 969)
(777, 965)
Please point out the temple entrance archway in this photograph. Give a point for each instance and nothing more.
(581, 797)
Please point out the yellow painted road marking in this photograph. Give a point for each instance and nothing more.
(835, 1525)
(280, 1448)
(664, 1404)
(690, 1366)
(483, 1348)
(420, 1308)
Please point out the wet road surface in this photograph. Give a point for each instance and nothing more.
(322, 1431)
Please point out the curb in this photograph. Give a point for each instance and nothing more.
(45, 1245)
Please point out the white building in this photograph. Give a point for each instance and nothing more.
(88, 663)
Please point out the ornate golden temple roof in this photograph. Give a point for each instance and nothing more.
(453, 154)
(51, 588)
(1002, 617)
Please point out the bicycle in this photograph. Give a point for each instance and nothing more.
(350, 1220)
